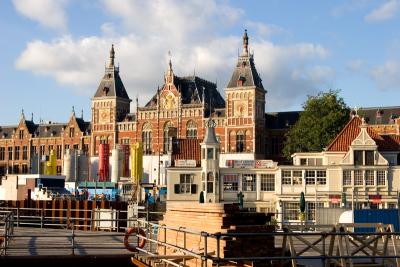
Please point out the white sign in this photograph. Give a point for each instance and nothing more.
(185, 163)
(248, 164)
(264, 164)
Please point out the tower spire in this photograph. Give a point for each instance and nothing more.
(169, 77)
(112, 56)
(245, 44)
(22, 114)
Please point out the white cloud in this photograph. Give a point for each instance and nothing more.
(348, 6)
(49, 13)
(387, 75)
(264, 30)
(155, 27)
(384, 12)
(355, 65)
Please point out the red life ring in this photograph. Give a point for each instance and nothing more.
(141, 241)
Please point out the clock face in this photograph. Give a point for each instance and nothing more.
(104, 116)
(240, 108)
(169, 101)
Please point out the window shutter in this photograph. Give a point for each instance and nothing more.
(177, 188)
(193, 188)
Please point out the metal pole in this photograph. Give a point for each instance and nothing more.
(165, 240)
(205, 248)
(41, 218)
(218, 235)
(18, 217)
(323, 249)
(73, 240)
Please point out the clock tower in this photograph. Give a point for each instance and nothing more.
(245, 107)
(110, 105)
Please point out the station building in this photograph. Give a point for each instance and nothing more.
(177, 111)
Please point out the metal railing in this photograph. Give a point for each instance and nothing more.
(334, 245)
(7, 229)
(41, 217)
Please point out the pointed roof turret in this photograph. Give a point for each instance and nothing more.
(245, 73)
(22, 114)
(169, 76)
(111, 85)
(210, 138)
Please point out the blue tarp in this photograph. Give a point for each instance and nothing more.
(386, 216)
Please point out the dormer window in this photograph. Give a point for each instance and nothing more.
(364, 157)
(71, 132)
(105, 91)
(241, 80)
(21, 134)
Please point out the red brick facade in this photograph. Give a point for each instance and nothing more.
(178, 110)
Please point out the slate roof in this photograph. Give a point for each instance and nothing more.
(7, 131)
(84, 126)
(50, 130)
(379, 115)
(111, 85)
(44, 130)
(281, 120)
(192, 88)
(352, 129)
(246, 70)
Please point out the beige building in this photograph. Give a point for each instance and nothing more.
(358, 169)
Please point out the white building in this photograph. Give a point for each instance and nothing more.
(358, 169)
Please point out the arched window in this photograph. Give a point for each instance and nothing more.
(166, 136)
(240, 142)
(146, 138)
(191, 130)
(231, 141)
(210, 182)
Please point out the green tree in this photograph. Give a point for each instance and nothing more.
(323, 117)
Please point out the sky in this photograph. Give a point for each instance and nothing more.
(53, 52)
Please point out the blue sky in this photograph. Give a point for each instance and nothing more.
(53, 51)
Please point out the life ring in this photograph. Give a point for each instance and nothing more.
(141, 241)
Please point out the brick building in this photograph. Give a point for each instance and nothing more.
(178, 110)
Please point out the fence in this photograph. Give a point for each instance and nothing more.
(82, 215)
(7, 229)
(330, 245)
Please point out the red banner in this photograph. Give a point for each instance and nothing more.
(376, 199)
(334, 199)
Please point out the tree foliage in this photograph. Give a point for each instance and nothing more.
(323, 117)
